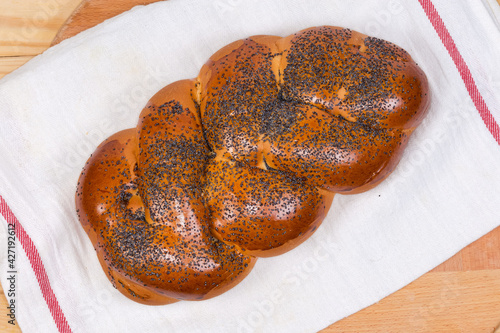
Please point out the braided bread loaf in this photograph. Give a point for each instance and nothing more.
(243, 161)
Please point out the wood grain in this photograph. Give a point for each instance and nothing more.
(460, 295)
(436, 302)
(8, 64)
(92, 12)
(5, 326)
(28, 27)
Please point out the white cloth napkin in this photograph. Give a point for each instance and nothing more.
(57, 108)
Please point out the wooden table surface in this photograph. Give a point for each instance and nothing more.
(460, 295)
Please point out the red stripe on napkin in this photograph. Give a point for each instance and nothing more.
(37, 266)
(462, 67)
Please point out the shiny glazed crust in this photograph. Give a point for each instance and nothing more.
(243, 161)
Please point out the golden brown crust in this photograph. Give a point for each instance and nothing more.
(154, 252)
(98, 198)
(263, 212)
(244, 161)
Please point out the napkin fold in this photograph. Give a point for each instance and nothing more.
(57, 108)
